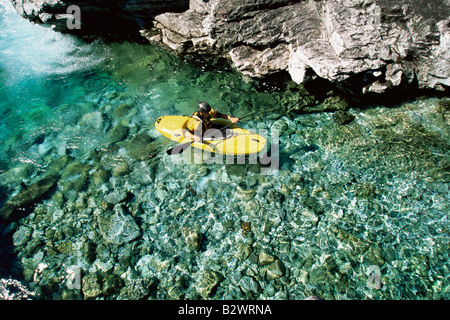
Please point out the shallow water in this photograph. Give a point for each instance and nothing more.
(356, 211)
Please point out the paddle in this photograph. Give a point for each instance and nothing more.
(182, 147)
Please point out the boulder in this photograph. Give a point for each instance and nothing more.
(118, 227)
(141, 147)
(207, 283)
(23, 202)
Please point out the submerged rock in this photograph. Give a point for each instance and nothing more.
(342, 117)
(249, 285)
(21, 236)
(91, 287)
(21, 204)
(207, 283)
(192, 237)
(118, 227)
(141, 147)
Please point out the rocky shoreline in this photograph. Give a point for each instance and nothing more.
(364, 46)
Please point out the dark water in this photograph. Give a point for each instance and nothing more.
(356, 211)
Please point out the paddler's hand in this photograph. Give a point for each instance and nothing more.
(234, 120)
(196, 138)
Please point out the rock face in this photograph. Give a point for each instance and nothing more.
(365, 45)
(381, 43)
(97, 16)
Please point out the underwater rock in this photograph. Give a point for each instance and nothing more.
(207, 283)
(275, 197)
(74, 169)
(99, 177)
(117, 227)
(120, 168)
(20, 204)
(141, 147)
(243, 251)
(92, 120)
(138, 289)
(249, 285)
(274, 270)
(74, 177)
(118, 133)
(21, 236)
(15, 175)
(91, 287)
(122, 110)
(192, 237)
(116, 196)
(245, 195)
(245, 228)
(343, 117)
(313, 204)
(265, 258)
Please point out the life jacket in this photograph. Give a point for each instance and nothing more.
(205, 121)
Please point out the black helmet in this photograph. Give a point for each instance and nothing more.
(204, 107)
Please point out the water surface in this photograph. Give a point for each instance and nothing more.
(356, 211)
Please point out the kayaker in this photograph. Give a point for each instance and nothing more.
(200, 121)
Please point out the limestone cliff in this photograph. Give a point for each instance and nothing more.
(368, 45)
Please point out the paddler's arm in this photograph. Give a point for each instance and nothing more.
(192, 127)
(192, 136)
(227, 117)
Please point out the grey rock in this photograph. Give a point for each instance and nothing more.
(275, 270)
(249, 285)
(207, 283)
(138, 289)
(388, 43)
(21, 203)
(117, 227)
(90, 286)
(21, 236)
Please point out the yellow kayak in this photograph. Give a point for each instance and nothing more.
(238, 141)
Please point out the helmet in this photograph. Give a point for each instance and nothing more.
(204, 107)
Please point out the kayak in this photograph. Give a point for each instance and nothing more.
(235, 141)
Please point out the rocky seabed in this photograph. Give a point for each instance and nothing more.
(350, 201)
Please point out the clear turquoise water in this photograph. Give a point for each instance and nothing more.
(351, 204)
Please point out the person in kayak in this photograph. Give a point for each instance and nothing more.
(200, 121)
